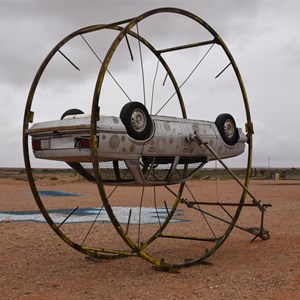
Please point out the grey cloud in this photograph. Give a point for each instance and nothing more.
(262, 35)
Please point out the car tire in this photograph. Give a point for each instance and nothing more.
(136, 120)
(72, 111)
(227, 129)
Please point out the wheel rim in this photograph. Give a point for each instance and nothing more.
(138, 120)
(229, 128)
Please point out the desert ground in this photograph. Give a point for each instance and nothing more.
(36, 264)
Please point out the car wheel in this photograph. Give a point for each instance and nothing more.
(227, 128)
(72, 111)
(136, 120)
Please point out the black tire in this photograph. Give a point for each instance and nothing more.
(137, 120)
(227, 128)
(72, 111)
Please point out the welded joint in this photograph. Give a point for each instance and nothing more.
(249, 128)
(30, 116)
(260, 232)
(186, 202)
(191, 137)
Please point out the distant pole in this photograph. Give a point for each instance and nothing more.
(269, 165)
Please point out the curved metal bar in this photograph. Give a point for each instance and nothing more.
(94, 119)
(28, 118)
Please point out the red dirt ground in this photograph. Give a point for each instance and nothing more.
(36, 264)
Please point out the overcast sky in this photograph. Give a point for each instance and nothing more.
(263, 36)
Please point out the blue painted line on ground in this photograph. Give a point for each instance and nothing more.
(57, 194)
(147, 215)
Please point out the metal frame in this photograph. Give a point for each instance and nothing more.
(137, 250)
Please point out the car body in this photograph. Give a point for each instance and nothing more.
(166, 155)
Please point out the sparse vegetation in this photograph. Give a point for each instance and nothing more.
(256, 173)
(203, 174)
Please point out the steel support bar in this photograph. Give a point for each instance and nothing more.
(226, 203)
(198, 139)
(101, 251)
(187, 46)
(262, 233)
(194, 238)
